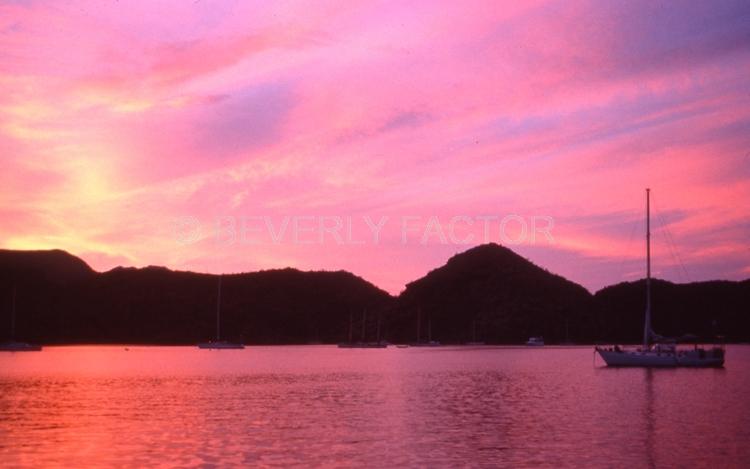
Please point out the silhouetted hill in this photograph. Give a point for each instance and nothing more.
(157, 305)
(507, 296)
(704, 309)
(60, 299)
(55, 265)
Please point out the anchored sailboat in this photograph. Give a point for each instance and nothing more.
(363, 335)
(13, 345)
(420, 342)
(536, 341)
(474, 340)
(218, 343)
(656, 350)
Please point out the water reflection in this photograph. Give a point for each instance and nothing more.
(648, 416)
(281, 406)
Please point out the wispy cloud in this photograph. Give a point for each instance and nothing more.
(115, 119)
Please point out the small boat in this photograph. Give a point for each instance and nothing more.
(12, 345)
(429, 343)
(219, 344)
(535, 341)
(363, 345)
(658, 351)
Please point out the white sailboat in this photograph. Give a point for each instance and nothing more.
(656, 351)
(535, 341)
(12, 345)
(218, 343)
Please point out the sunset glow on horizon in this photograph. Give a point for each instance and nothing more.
(139, 134)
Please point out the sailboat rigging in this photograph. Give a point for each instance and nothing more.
(420, 342)
(12, 345)
(656, 350)
(218, 343)
(363, 335)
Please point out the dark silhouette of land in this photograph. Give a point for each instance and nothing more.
(508, 297)
(488, 289)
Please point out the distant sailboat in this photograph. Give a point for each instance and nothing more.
(13, 345)
(419, 342)
(362, 343)
(535, 341)
(567, 335)
(656, 351)
(218, 343)
(474, 340)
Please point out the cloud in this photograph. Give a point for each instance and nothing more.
(114, 120)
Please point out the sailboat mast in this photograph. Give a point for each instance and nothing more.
(13, 316)
(419, 324)
(351, 325)
(647, 322)
(378, 330)
(364, 324)
(218, 312)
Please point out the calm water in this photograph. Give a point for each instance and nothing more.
(319, 405)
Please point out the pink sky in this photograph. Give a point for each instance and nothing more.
(122, 121)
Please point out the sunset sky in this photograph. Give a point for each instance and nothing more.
(135, 133)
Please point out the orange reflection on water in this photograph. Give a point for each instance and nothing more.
(319, 405)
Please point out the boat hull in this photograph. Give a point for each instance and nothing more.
(19, 347)
(649, 359)
(221, 346)
(535, 342)
(362, 345)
